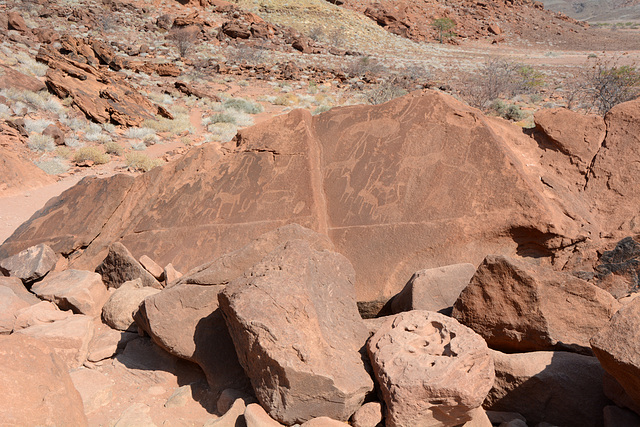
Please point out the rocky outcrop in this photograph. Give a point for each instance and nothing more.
(559, 388)
(289, 316)
(35, 385)
(10, 305)
(518, 307)
(617, 348)
(419, 182)
(431, 369)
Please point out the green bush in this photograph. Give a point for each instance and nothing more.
(443, 27)
(243, 105)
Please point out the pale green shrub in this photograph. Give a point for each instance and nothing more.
(38, 142)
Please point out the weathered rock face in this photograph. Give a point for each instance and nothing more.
(614, 176)
(576, 135)
(120, 266)
(434, 289)
(49, 399)
(419, 182)
(232, 265)
(559, 388)
(30, 264)
(517, 306)
(77, 290)
(38, 314)
(431, 369)
(618, 269)
(18, 288)
(68, 338)
(185, 321)
(296, 328)
(10, 305)
(617, 347)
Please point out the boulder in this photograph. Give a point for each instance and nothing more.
(185, 321)
(10, 306)
(14, 79)
(30, 264)
(292, 317)
(324, 422)
(229, 396)
(16, 285)
(434, 289)
(35, 386)
(368, 415)
(256, 416)
(118, 312)
(17, 172)
(419, 182)
(171, 274)
(106, 342)
(39, 314)
(120, 266)
(16, 22)
(576, 135)
(431, 369)
(617, 347)
(232, 417)
(236, 29)
(68, 338)
(80, 291)
(517, 306)
(55, 133)
(152, 267)
(558, 387)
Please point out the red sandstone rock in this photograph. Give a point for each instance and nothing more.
(16, 22)
(296, 329)
(10, 305)
(30, 264)
(464, 193)
(431, 369)
(120, 266)
(119, 311)
(77, 290)
(518, 307)
(559, 388)
(35, 386)
(618, 349)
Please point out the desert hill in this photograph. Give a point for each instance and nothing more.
(614, 11)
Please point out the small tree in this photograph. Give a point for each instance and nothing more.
(183, 39)
(443, 27)
(610, 84)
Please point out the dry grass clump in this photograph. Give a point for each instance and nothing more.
(113, 148)
(141, 162)
(54, 166)
(91, 154)
(243, 105)
(38, 142)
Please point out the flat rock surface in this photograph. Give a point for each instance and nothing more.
(78, 290)
(30, 264)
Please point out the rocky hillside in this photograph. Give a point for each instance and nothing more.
(614, 11)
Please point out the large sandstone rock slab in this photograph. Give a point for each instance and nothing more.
(560, 388)
(617, 347)
(185, 320)
(434, 289)
(38, 314)
(68, 338)
(419, 182)
(517, 306)
(431, 370)
(18, 174)
(30, 264)
(78, 290)
(296, 328)
(35, 386)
